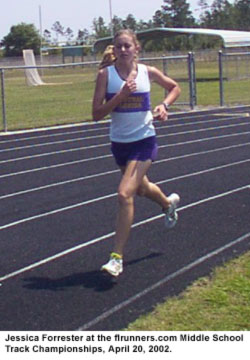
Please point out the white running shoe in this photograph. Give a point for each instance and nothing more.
(171, 214)
(115, 265)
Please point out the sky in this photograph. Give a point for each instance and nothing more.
(75, 14)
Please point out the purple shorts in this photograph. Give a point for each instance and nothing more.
(140, 150)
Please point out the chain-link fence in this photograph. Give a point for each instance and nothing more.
(66, 96)
(234, 69)
(182, 69)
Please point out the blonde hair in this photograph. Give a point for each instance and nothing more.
(109, 55)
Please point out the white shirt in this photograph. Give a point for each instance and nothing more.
(132, 120)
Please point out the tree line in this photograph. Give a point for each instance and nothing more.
(221, 14)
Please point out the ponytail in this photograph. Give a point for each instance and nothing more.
(108, 57)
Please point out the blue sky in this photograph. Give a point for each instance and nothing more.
(76, 14)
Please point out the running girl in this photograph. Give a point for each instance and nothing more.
(123, 90)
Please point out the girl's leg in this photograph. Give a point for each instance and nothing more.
(168, 204)
(132, 178)
(134, 181)
(153, 192)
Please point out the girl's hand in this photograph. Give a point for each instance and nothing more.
(160, 113)
(128, 88)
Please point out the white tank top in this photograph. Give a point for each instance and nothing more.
(132, 119)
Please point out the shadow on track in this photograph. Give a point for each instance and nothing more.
(98, 280)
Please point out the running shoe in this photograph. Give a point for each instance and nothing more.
(171, 216)
(115, 265)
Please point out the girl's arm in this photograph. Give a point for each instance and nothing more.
(100, 108)
(170, 85)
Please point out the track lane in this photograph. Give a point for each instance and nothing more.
(69, 278)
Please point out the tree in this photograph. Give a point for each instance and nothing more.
(69, 34)
(159, 19)
(143, 25)
(221, 16)
(130, 22)
(242, 13)
(204, 11)
(177, 13)
(100, 29)
(21, 36)
(47, 36)
(117, 24)
(83, 36)
(58, 29)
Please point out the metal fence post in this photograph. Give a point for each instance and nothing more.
(164, 67)
(192, 95)
(194, 79)
(221, 78)
(3, 101)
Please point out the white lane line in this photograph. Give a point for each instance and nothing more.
(101, 198)
(206, 129)
(166, 279)
(205, 152)
(57, 127)
(104, 197)
(106, 135)
(239, 114)
(194, 123)
(172, 118)
(204, 139)
(106, 156)
(52, 135)
(61, 183)
(109, 235)
(192, 115)
(108, 144)
(54, 143)
(55, 166)
(204, 171)
(53, 212)
(83, 178)
(53, 153)
(57, 142)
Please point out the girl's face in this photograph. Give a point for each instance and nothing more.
(125, 48)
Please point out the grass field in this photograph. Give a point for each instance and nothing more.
(220, 302)
(69, 99)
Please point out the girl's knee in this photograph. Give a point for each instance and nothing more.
(124, 197)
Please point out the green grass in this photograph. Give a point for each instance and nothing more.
(67, 102)
(220, 302)
(70, 100)
(232, 88)
(208, 93)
